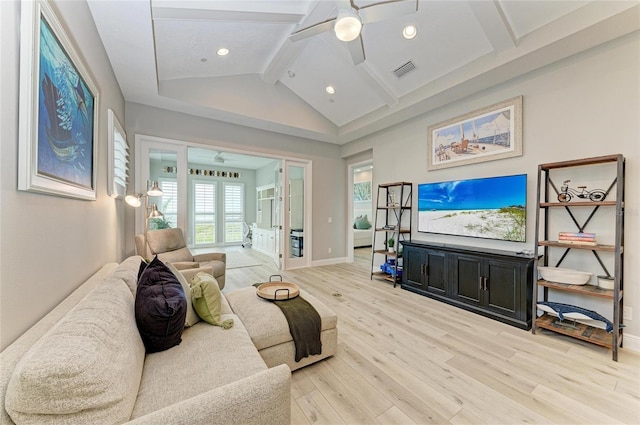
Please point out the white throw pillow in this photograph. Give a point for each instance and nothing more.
(192, 317)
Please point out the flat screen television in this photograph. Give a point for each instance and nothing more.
(491, 208)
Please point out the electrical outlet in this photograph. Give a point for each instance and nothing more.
(627, 313)
(329, 250)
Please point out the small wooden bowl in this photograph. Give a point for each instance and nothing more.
(277, 291)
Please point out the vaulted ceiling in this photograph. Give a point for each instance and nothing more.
(164, 55)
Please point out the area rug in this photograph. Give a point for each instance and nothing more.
(238, 259)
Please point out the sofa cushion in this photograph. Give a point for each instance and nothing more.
(177, 256)
(206, 298)
(192, 317)
(160, 307)
(74, 373)
(128, 272)
(186, 265)
(165, 240)
(209, 357)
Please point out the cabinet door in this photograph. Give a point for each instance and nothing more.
(425, 270)
(413, 264)
(436, 273)
(503, 287)
(270, 241)
(467, 279)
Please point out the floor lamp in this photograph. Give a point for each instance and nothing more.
(151, 210)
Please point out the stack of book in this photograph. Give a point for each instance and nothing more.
(577, 238)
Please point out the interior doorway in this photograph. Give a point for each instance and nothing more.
(219, 196)
(360, 226)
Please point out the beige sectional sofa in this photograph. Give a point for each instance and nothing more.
(85, 363)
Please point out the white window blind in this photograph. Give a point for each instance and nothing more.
(204, 210)
(168, 203)
(118, 159)
(233, 212)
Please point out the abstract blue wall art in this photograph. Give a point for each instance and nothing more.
(65, 116)
(58, 110)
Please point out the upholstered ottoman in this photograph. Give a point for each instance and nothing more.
(269, 329)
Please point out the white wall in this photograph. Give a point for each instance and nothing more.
(329, 175)
(587, 105)
(50, 245)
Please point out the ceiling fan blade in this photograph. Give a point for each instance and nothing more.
(356, 50)
(313, 30)
(387, 10)
(344, 4)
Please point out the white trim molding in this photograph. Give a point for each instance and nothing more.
(631, 342)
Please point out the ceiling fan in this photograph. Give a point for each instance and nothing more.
(219, 159)
(348, 24)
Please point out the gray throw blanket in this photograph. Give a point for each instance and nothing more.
(304, 325)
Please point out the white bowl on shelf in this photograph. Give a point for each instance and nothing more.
(606, 282)
(562, 275)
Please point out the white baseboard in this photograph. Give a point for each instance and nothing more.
(631, 342)
(329, 261)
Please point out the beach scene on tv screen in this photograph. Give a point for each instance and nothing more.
(492, 208)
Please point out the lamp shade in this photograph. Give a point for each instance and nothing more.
(348, 26)
(133, 200)
(154, 212)
(155, 190)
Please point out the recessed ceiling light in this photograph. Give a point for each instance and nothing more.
(409, 32)
(203, 60)
(223, 51)
(330, 89)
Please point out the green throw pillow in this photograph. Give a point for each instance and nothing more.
(205, 297)
(362, 222)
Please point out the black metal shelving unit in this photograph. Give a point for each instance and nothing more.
(392, 220)
(547, 202)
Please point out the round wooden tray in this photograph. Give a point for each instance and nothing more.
(276, 291)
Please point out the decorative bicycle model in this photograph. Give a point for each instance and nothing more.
(567, 193)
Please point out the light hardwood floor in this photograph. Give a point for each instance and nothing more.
(406, 359)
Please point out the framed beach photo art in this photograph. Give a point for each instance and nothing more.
(58, 110)
(490, 133)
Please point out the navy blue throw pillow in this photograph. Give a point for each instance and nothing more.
(161, 307)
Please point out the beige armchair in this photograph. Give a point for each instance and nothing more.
(169, 246)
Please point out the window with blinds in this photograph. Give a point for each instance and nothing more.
(233, 212)
(118, 158)
(204, 213)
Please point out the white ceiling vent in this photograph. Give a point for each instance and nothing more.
(404, 69)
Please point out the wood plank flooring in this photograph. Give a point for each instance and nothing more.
(406, 359)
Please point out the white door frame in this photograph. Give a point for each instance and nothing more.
(278, 227)
(289, 262)
(349, 222)
(144, 144)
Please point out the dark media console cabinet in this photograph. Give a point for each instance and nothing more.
(494, 283)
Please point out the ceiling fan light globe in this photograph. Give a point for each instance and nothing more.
(348, 26)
